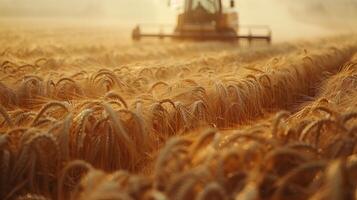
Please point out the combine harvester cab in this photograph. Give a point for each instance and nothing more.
(206, 20)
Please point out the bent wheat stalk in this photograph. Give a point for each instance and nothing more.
(47, 106)
(113, 95)
(6, 116)
(212, 191)
(282, 183)
(277, 121)
(77, 164)
(122, 135)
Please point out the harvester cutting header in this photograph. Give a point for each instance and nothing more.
(207, 20)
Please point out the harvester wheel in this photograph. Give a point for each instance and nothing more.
(136, 34)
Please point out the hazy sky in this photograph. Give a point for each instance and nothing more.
(329, 13)
(287, 18)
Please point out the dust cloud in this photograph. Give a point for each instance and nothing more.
(331, 14)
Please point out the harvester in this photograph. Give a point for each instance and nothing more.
(208, 20)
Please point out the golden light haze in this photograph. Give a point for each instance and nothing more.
(286, 18)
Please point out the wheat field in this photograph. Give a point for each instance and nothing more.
(89, 115)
